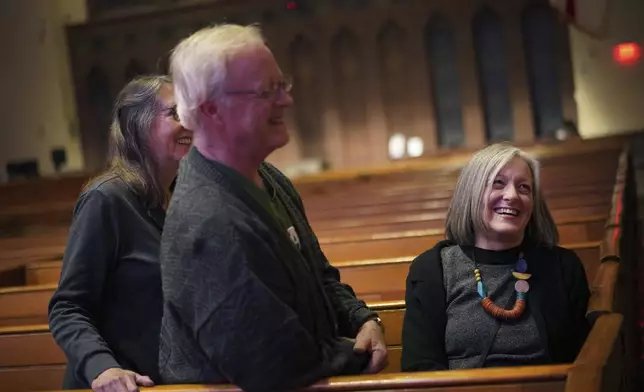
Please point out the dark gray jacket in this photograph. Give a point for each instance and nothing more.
(242, 303)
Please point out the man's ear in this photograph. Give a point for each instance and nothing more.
(209, 109)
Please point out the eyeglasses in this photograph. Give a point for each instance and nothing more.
(172, 112)
(269, 93)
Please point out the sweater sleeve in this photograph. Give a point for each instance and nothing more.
(246, 332)
(423, 333)
(578, 297)
(89, 255)
(350, 312)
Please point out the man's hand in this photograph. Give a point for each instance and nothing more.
(371, 339)
(119, 380)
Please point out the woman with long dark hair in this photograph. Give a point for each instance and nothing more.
(106, 312)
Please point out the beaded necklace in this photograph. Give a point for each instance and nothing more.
(521, 287)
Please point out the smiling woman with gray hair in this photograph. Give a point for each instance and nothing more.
(498, 291)
(106, 312)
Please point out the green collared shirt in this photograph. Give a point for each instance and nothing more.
(266, 197)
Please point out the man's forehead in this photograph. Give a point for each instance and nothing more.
(254, 64)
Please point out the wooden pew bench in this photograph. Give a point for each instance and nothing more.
(39, 354)
(384, 279)
(333, 202)
(40, 350)
(412, 243)
(25, 305)
(326, 184)
(28, 345)
(39, 364)
(48, 237)
(21, 210)
(584, 375)
(415, 192)
(373, 280)
(333, 212)
(573, 173)
(32, 344)
(13, 262)
(435, 220)
(573, 231)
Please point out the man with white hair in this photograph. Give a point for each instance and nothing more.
(249, 297)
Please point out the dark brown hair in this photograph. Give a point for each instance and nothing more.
(129, 156)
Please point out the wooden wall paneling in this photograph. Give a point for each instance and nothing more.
(421, 100)
(442, 56)
(303, 60)
(460, 12)
(391, 42)
(491, 53)
(519, 85)
(349, 82)
(374, 149)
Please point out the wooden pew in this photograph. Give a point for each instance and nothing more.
(51, 244)
(32, 378)
(27, 345)
(571, 173)
(427, 194)
(340, 209)
(396, 244)
(576, 175)
(384, 279)
(37, 252)
(18, 207)
(24, 349)
(565, 153)
(582, 375)
(332, 212)
(56, 370)
(573, 231)
(55, 197)
(29, 192)
(373, 280)
(25, 305)
(433, 220)
(13, 262)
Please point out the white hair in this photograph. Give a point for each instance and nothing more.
(198, 65)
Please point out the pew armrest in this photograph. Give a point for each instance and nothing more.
(598, 366)
(602, 289)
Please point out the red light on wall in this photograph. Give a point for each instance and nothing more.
(291, 5)
(627, 53)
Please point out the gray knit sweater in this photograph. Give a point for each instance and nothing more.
(243, 304)
(468, 325)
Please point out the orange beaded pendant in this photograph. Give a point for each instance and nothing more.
(521, 287)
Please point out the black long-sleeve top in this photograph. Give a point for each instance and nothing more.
(556, 303)
(107, 309)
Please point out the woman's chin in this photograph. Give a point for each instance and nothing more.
(506, 229)
(181, 150)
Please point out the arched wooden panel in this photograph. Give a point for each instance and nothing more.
(539, 28)
(392, 59)
(441, 51)
(492, 64)
(100, 109)
(133, 69)
(349, 81)
(307, 97)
